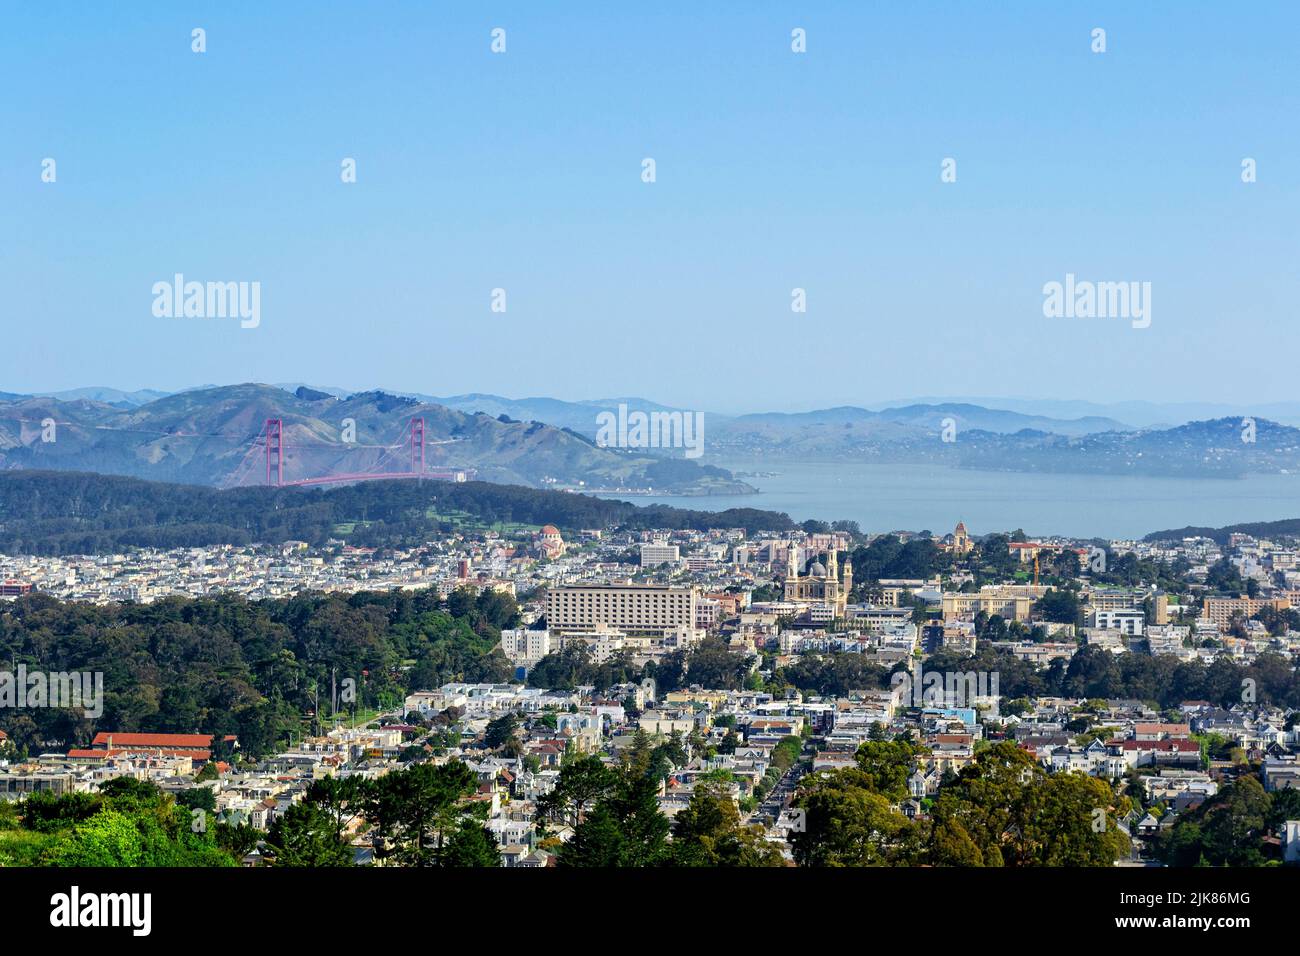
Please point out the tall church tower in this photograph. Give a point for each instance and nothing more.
(831, 593)
(792, 573)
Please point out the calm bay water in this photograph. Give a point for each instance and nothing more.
(919, 497)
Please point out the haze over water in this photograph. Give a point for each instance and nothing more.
(923, 497)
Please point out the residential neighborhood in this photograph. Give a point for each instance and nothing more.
(745, 668)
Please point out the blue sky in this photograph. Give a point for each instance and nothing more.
(774, 171)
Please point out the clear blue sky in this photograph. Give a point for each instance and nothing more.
(775, 170)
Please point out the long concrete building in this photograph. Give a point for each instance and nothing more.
(631, 608)
(1010, 601)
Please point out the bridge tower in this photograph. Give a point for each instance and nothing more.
(417, 446)
(275, 450)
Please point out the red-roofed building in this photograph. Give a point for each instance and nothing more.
(1157, 731)
(90, 756)
(195, 746)
(1141, 753)
(549, 542)
(107, 738)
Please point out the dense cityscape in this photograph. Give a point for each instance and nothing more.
(818, 696)
(837, 455)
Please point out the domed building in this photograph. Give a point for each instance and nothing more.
(549, 542)
(822, 585)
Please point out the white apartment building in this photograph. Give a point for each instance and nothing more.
(659, 553)
(1127, 621)
(602, 642)
(524, 648)
(631, 608)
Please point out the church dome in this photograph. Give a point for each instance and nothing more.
(818, 570)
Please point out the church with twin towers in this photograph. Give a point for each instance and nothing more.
(823, 584)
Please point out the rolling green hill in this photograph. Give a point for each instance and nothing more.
(211, 437)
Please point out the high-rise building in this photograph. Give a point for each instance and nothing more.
(631, 608)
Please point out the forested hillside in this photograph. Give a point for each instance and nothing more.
(226, 665)
(82, 513)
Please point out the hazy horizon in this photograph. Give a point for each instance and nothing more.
(1042, 406)
(776, 170)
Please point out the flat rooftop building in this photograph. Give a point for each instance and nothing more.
(631, 608)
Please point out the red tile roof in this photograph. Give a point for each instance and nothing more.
(196, 755)
(186, 741)
(1183, 746)
(1174, 730)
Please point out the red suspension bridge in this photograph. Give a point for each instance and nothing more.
(403, 459)
(274, 445)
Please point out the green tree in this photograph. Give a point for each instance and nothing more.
(470, 844)
(708, 832)
(581, 784)
(848, 824)
(500, 730)
(1015, 814)
(305, 836)
(1058, 606)
(413, 812)
(624, 828)
(887, 764)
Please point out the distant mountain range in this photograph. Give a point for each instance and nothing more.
(966, 436)
(832, 428)
(208, 436)
(211, 437)
(96, 393)
(580, 416)
(981, 437)
(1135, 413)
